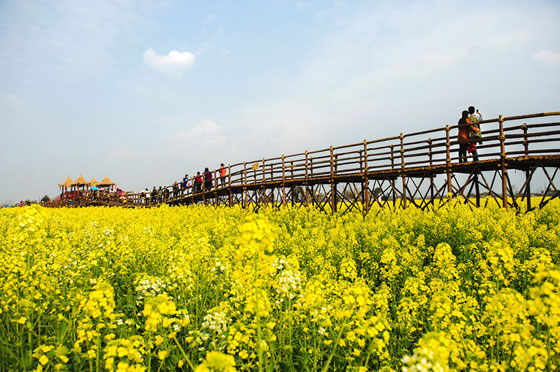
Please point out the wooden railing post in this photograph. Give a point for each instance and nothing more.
(271, 196)
(525, 140)
(333, 186)
(263, 194)
(448, 159)
(503, 162)
(244, 185)
(365, 186)
(283, 182)
(215, 187)
(528, 171)
(230, 197)
(403, 176)
(311, 189)
(306, 185)
(393, 175)
(430, 154)
(292, 177)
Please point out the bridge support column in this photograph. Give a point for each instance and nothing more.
(448, 159)
(528, 171)
(476, 188)
(365, 184)
(392, 179)
(503, 162)
(283, 183)
(403, 177)
(333, 185)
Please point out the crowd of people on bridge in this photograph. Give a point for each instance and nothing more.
(187, 186)
(469, 134)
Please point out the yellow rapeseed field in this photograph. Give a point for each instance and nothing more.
(222, 289)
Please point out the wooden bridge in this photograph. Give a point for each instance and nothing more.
(517, 155)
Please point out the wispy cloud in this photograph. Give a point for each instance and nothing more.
(66, 39)
(547, 56)
(174, 63)
(384, 69)
(206, 133)
(11, 101)
(122, 154)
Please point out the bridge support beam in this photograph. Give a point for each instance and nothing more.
(503, 162)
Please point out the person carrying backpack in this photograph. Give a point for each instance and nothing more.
(474, 119)
(474, 133)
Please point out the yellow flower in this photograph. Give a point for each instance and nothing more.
(216, 361)
(43, 360)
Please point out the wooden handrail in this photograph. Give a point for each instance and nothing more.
(396, 154)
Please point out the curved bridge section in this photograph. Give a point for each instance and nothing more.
(517, 166)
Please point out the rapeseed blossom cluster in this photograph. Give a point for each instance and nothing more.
(223, 289)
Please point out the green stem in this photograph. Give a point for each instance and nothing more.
(548, 350)
(183, 353)
(326, 368)
(29, 338)
(97, 352)
(259, 349)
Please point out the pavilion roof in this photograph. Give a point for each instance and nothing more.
(106, 182)
(80, 181)
(66, 183)
(93, 182)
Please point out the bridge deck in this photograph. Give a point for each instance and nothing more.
(516, 142)
(518, 163)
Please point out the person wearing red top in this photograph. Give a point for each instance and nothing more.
(198, 182)
(222, 174)
(462, 137)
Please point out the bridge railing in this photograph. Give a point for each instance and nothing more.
(501, 137)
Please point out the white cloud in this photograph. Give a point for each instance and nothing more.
(174, 63)
(206, 133)
(122, 154)
(547, 56)
(437, 58)
(11, 101)
(384, 70)
(206, 127)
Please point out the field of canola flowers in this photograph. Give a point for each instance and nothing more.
(218, 289)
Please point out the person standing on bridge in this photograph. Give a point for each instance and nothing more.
(222, 174)
(184, 184)
(462, 138)
(474, 132)
(153, 196)
(207, 179)
(197, 182)
(165, 194)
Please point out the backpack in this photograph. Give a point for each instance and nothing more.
(473, 121)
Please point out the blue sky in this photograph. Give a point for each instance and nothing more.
(146, 91)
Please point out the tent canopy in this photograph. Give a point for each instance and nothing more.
(93, 182)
